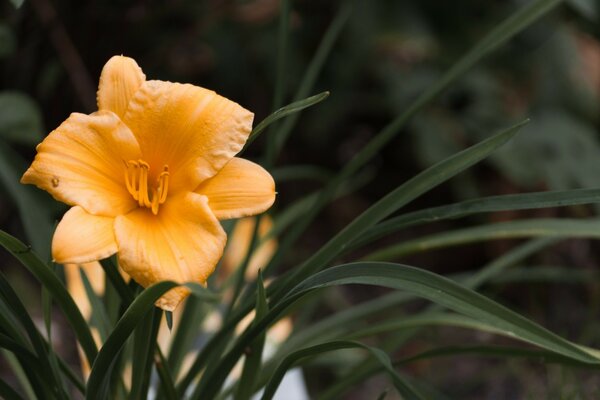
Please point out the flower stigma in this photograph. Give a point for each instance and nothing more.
(136, 180)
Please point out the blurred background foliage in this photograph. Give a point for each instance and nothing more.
(389, 51)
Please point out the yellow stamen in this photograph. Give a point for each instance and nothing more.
(136, 181)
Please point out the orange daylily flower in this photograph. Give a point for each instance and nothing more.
(149, 176)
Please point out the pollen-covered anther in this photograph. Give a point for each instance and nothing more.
(136, 181)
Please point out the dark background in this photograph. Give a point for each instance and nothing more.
(52, 52)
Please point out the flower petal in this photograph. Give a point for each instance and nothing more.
(82, 163)
(240, 189)
(121, 77)
(192, 130)
(81, 237)
(183, 243)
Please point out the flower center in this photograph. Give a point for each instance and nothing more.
(136, 179)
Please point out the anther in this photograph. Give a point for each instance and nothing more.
(136, 181)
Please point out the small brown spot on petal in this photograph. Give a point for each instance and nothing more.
(55, 182)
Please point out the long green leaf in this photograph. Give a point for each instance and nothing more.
(144, 343)
(34, 214)
(495, 351)
(511, 26)
(60, 294)
(422, 283)
(291, 108)
(99, 315)
(7, 392)
(19, 372)
(449, 294)
(405, 193)
(50, 370)
(253, 358)
(512, 202)
(309, 79)
(399, 197)
(557, 228)
(97, 387)
(404, 388)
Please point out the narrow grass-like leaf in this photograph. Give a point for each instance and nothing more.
(404, 388)
(29, 364)
(36, 218)
(50, 369)
(422, 283)
(102, 367)
(110, 269)
(253, 359)
(402, 195)
(185, 333)
(488, 272)
(99, 316)
(97, 387)
(495, 351)
(42, 273)
(283, 36)
(511, 26)
(7, 392)
(449, 294)
(144, 344)
(397, 198)
(167, 388)
(310, 77)
(510, 202)
(282, 112)
(17, 369)
(563, 228)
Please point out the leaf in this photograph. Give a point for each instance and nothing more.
(99, 316)
(284, 111)
(447, 293)
(495, 351)
(59, 293)
(508, 28)
(513, 202)
(252, 362)
(33, 211)
(49, 369)
(404, 388)
(185, 332)
(419, 282)
(144, 344)
(309, 78)
(396, 199)
(97, 387)
(20, 119)
(558, 228)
